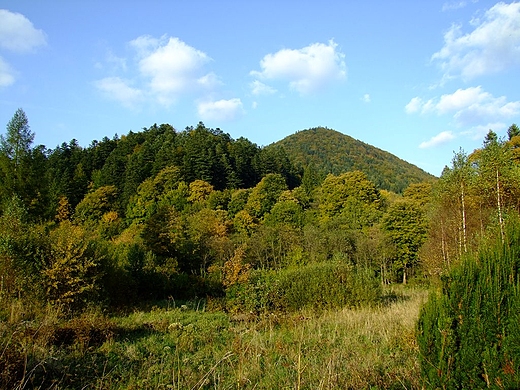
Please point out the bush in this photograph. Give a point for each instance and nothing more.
(320, 286)
(469, 333)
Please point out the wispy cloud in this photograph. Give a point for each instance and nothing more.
(220, 110)
(492, 45)
(121, 91)
(440, 139)
(307, 69)
(259, 88)
(6, 74)
(453, 5)
(469, 107)
(366, 98)
(18, 34)
(479, 132)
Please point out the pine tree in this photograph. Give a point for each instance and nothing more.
(21, 166)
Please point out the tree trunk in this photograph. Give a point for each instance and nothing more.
(499, 206)
(445, 255)
(463, 204)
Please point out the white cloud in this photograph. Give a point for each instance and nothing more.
(414, 105)
(463, 99)
(449, 6)
(120, 90)
(6, 74)
(492, 46)
(470, 107)
(220, 110)
(307, 69)
(259, 88)
(172, 66)
(366, 98)
(145, 44)
(18, 34)
(209, 81)
(439, 139)
(165, 69)
(480, 131)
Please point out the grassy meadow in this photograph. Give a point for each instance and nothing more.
(192, 346)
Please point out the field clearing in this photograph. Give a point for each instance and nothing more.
(189, 347)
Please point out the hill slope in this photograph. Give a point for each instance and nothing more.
(330, 151)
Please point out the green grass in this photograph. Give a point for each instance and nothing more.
(187, 347)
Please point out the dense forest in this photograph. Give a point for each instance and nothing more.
(317, 220)
(328, 151)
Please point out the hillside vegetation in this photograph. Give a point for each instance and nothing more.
(188, 259)
(329, 151)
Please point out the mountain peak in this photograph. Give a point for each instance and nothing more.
(331, 151)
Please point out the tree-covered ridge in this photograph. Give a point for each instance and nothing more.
(163, 212)
(330, 151)
(200, 153)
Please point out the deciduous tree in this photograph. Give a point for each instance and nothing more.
(406, 226)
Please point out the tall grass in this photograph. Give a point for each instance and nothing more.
(187, 347)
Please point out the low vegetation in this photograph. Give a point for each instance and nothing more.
(188, 346)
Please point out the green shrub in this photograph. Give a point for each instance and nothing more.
(469, 333)
(321, 285)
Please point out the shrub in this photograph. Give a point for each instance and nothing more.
(321, 285)
(469, 333)
(72, 270)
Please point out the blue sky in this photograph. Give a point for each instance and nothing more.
(417, 79)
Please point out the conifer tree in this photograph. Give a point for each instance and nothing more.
(21, 166)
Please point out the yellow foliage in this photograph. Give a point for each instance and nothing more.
(199, 191)
(235, 270)
(109, 217)
(63, 211)
(244, 222)
(70, 272)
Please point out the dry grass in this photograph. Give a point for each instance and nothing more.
(362, 348)
(189, 348)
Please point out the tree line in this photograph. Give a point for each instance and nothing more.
(166, 213)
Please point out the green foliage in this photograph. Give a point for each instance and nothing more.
(22, 168)
(328, 151)
(513, 131)
(265, 194)
(166, 189)
(286, 212)
(238, 201)
(22, 252)
(17, 142)
(468, 332)
(406, 226)
(498, 178)
(274, 160)
(208, 234)
(199, 191)
(352, 196)
(317, 286)
(96, 204)
(419, 192)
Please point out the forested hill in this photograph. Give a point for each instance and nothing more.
(329, 151)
